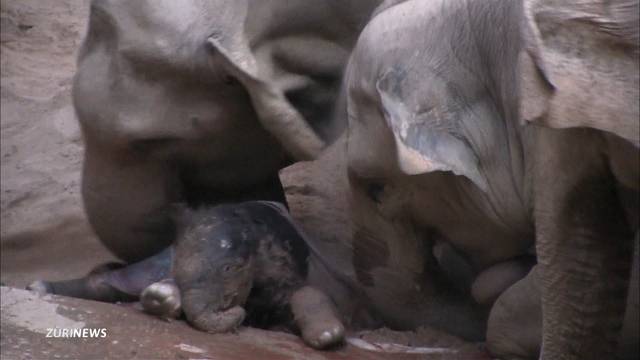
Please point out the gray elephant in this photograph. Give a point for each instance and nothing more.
(231, 263)
(318, 195)
(581, 77)
(203, 102)
(437, 154)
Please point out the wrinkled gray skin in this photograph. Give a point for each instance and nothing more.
(203, 102)
(515, 325)
(250, 253)
(318, 194)
(587, 176)
(437, 154)
(427, 163)
(231, 263)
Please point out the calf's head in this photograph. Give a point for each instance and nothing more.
(213, 266)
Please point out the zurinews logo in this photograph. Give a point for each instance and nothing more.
(76, 333)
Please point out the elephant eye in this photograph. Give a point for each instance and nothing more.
(374, 191)
(227, 268)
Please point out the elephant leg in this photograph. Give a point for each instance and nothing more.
(492, 282)
(404, 279)
(317, 318)
(514, 329)
(126, 197)
(112, 282)
(515, 323)
(94, 286)
(583, 246)
(629, 346)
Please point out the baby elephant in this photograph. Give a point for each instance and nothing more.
(230, 264)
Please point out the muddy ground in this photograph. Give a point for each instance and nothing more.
(44, 232)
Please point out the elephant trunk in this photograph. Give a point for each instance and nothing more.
(218, 309)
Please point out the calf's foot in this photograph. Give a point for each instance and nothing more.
(162, 299)
(316, 317)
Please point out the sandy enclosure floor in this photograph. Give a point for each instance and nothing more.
(44, 232)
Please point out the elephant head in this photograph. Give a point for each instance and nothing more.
(203, 102)
(436, 151)
(208, 42)
(213, 267)
(434, 155)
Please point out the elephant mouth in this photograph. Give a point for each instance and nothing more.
(210, 313)
(219, 321)
(203, 301)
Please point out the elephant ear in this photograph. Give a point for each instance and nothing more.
(580, 65)
(424, 144)
(274, 111)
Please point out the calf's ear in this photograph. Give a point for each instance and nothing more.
(274, 111)
(579, 66)
(422, 146)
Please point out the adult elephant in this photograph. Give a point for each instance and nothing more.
(437, 154)
(202, 101)
(581, 77)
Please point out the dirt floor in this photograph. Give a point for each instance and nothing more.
(129, 334)
(45, 235)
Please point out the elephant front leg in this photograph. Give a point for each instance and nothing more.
(583, 246)
(112, 282)
(514, 327)
(95, 286)
(316, 317)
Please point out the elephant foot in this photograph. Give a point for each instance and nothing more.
(316, 317)
(219, 321)
(162, 299)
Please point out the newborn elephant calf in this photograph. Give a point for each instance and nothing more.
(230, 263)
